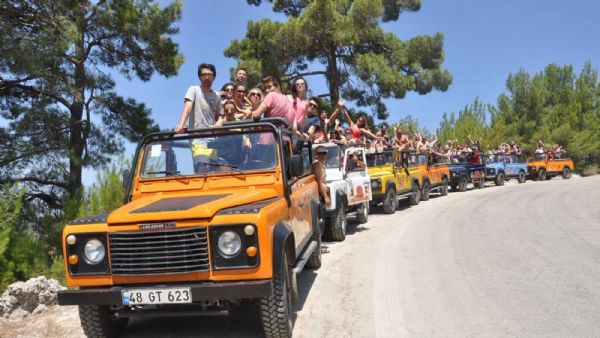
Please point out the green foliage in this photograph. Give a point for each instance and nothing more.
(28, 252)
(21, 254)
(555, 106)
(107, 193)
(360, 61)
(11, 202)
(56, 92)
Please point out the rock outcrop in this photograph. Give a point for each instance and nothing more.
(32, 296)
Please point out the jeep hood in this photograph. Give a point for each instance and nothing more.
(378, 173)
(457, 167)
(185, 206)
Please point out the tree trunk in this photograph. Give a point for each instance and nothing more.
(76, 139)
(332, 76)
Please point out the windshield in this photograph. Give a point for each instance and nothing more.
(491, 158)
(384, 158)
(333, 157)
(207, 154)
(459, 159)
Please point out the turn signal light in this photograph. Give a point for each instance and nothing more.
(251, 251)
(73, 259)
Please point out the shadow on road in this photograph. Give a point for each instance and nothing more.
(200, 326)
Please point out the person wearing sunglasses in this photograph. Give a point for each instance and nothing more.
(227, 92)
(359, 128)
(312, 126)
(275, 104)
(255, 98)
(239, 96)
(298, 99)
(202, 105)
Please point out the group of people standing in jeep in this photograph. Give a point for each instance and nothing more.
(204, 107)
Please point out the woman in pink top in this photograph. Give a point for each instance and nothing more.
(298, 100)
(359, 128)
(274, 104)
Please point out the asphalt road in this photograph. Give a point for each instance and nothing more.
(517, 260)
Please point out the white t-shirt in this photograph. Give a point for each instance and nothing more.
(205, 107)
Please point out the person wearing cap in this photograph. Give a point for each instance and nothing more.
(320, 175)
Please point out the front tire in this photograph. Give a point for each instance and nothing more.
(276, 310)
(314, 261)
(96, 322)
(522, 177)
(542, 175)
(339, 223)
(425, 191)
(500, 179)
(462, 184)
(415, 196)
(566, 173)
(362, 214)
(390, 202)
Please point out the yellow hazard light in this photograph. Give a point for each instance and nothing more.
(251, 251)
(73, 259)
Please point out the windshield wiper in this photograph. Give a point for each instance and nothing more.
(166, 172)
(234, 167)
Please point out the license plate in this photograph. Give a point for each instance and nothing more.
(156, 296)
(477, 174)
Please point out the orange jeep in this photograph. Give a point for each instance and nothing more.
(545, 166)
(437, 176)
(215, 219)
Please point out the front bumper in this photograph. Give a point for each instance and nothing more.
(206, 291)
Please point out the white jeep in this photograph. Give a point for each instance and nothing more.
(349, 187)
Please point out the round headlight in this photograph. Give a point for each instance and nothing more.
(229, 243)
(94, 251)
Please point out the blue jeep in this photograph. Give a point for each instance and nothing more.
(501, 167)
(463, 173)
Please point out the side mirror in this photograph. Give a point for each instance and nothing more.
(296, 165)
(126, 177)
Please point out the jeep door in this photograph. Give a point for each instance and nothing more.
(511, 166)
(403, 171)
(302, 189)
(358, 182)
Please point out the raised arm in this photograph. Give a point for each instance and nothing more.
(366, 131)
(350, 122)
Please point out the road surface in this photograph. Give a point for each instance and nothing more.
(517, 260)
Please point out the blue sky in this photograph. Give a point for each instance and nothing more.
(485, 41)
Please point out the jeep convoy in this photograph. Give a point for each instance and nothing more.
(223, 219)
(545, 166)
(208, 224)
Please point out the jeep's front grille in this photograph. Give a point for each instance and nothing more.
(157, 252)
